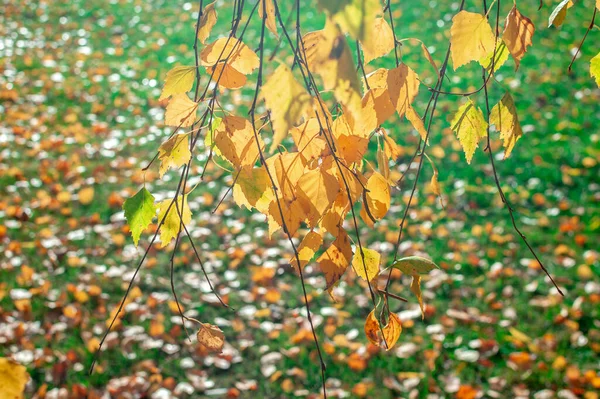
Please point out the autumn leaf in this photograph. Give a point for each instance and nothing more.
(402, 84)
(179, 80)
(232, 51)
(207, 22)
(336, 259)
(319, 189)
(309, 140)
(306, 250)
(174, 153)
(253, 188)
(382, 41)
(560, 13)
(286, 169)
(13, 378)
(470, 126)
(227, 76)
(293, 215)
(286, 99)
(415, 287)
(504, 117)
(234, 137)
(86, 195)
(354, 17)
(595, 68)
(500, 56)
(181, 111)
(378, 195)
(139, 212)
(471, 38)
(172, 222)
(371, 263)
(211, 338)
(518, 32)
(269, 7)
(391, 331)
(416, 121)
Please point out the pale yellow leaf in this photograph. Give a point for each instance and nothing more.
(378, 195)
(252, 188)
(504, 117)
(416, 122)
(269, 7)
(381, 41)
(181, 111)
(207, 22)
(595, 68)
(174, 153)
(415, 287)
(319, 189)
(470, 127)
(370, 264)
(287, 101)
(180, 79)
(307, 249)
(560, 13)
(169, 211)
(471, 38)
(234, 137)
(232, 51)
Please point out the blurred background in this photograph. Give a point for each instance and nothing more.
(80, 117)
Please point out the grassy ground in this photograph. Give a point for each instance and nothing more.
(79, 109)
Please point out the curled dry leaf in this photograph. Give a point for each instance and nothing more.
(211, 338)
(391, 331)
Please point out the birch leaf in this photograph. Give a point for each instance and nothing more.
(470, 127)
(180, 79)
(471, 38)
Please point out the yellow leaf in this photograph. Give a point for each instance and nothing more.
(211, 338)
(416, 121)
(207, 22)
(595, 68)
(174, 153)
(230, 50)
(253, 188)
(391, 331)
(86, 195)
(293, 215)
(470, 127)
(270, 22)
(286, 99)
(172, 221)
(311, 144)
(355, 17)
(518, 31)
(560, 13)
(307, 249)
(403, 85)
(286, 169)
(226, 76)
(328, 54)
(500, 55)
(181, 111)
(336, 259)
(370, 264)
(234, 137)
(376, 109)
(378, 195)
(392, 150)
(471, 38)
(351, 143)
(504, 117)
(318, 189)
(415, 287)
(180, 79)
(13, 378)
(383, 163)
(381, 42)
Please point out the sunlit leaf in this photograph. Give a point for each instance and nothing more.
(207, 22)
(13, 378)
(391, 331)
(211, 338)
(595, 68)
(412, 265)
(518, 33)
(336, 259)
(169, 211)
(504, 117)
(471, 38)
(370, 264)
(174, 153)
(181, 111)
(470, 127)
(179, 80)
(270, 21)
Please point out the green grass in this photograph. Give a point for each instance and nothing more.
(562, 109)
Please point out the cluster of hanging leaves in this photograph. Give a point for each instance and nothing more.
(303, 161)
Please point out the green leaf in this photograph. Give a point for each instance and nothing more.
(139, 212)
(595, 68)
(470, 126)
(500, 57)
(414, 265)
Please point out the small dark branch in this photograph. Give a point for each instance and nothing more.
(590, 27)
